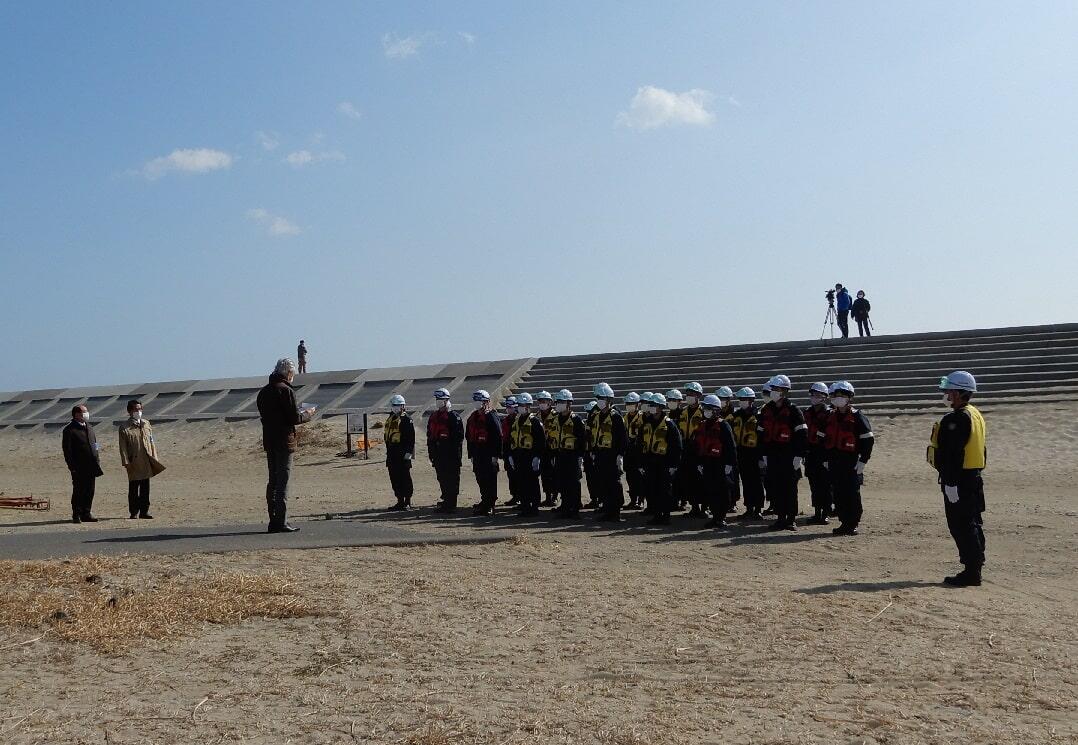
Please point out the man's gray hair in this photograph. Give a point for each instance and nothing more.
(285, 367)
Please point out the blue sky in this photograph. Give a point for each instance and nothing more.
(190, 189)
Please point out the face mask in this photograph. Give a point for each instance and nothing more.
(511, 410)
(816, 399)
(544, 407)
(649, 410)
(691, 400)
(563, 408)
(85, 416)
(442, 404)
(775, 396)
(708, 413)
(674, 405)
(631, 408)
(600, 405)
(523, 411)
(840, 402)
(479, 405)
(744, 404)
(398, 409)
(136, 415)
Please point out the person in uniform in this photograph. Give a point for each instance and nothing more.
(783, 435)
(959, 453)
(445, 445)
(744, 424)
(594, 495)
(634, 418)
(510, 407)
(688, 418)
(81, 454)
(674, 399)
(847, 439)
(715, 457)
(527, 443)
(399, 436)
(483, 433)
(661, 446)
(815, 457)
(548, 478)
(569, 450)
(609, 441)
(138, 456)
(729, 405)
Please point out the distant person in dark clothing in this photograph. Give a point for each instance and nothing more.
(81, 453)
(280, 415)
(445, 446)
(860, 310)
(399, 437)
(301, 354)
(844, 303)
(484, 435)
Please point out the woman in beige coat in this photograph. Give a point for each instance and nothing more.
(138, 454)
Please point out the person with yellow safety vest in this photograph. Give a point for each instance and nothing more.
(847, 441)
(483, 433)
(590, 412)
(674, 400)
(398, 433)
(783, 439)
(688, 418)
(959, 453)
(727, 407)
(815, 459)
(609, 442)
(510, 407)
(527, 443)
(569, 450)
(744, 423)
(716, 455)
(634, 419)
(548, 477)
(661, 446)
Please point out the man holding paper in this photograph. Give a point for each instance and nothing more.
(280, 415)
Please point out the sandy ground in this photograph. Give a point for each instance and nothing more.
(577, 634)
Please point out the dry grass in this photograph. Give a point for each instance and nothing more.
(85, 600)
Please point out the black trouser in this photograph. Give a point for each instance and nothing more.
(965, 522)
(567, 468)
(549, 477)
(844, 322)
(846, 486)
(748, 467)
(527, 480)
(734, 486)
(82, 492)
(138, 497)
(659, 494)
(633, 480)
(713, 487)
(400, 478)
(819, 482)
(595, 492)
(486, 478)
(511, 477)
(782, 486)
(279, 465)
(448, 473)
(863, 328)
(609, 479)
(687, 481)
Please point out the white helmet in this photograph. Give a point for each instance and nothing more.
(441, 394)
(746, 392)
(674, 395)
(543, 396)
(602, 390)
(564, 395)
(525, 399)
(632, 398)
(711, 400)
(959, 380)
(779, 381)
(396, 400)
(480, 395)
(694, 388)
(841, 386)
(818, 388)
(659, 399)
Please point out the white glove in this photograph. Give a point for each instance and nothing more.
(700, 470)
(407, 456)
(511, 464)
(580, 461)
(642, 471)
(673, 471)
(535, 465)
(621, 463)
(729, 470)
(797, 462)
(763, 462)
(494, 462)
(951, 492)
(860, 467)
(826, 467)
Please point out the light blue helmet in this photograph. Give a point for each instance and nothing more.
(694, 388)
(480, 395)
(712, 400)
(602, 390)
(441, 394)
(724, 392)
(525, 399)
(819, 388)
(959, 380)
(841, 386)
(658, 399)
(674, 395)
(543, 396)
(646, 396)
(590, 405)
(397, 400)
(564, 395)
(632, 398)
(779, 381)
(745, 392)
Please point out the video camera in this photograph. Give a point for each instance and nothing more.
(830, 295)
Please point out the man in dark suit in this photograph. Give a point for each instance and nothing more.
(280, 415)
(81, 455)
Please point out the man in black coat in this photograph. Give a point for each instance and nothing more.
(280, 415)
(483, 434)
(445, 446)
(81, 455)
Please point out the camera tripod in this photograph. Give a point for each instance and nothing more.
(829, 320)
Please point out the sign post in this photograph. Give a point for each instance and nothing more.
(357, 425)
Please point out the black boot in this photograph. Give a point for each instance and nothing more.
(968, 577)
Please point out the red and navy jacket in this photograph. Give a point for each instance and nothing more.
(847, 436)
(483, 434)
(713, 440)
(445, 436)
(782, 429)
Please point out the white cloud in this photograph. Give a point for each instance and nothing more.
(653, 107)
(194, 160)
(397, 47)
(275, 224)
(268, 140)
(349, 110)
(469, 39)
(301, 158)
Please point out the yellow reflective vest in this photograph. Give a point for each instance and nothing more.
(392, 432)
(653, 436)
(520, 434)
(973, 458)
(688, 421)
(552, 425)
(745, 435)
